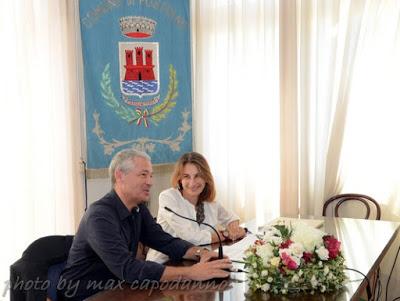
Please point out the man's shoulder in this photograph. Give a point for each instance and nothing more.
(104, 206)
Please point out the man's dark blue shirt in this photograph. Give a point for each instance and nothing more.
(106, 242)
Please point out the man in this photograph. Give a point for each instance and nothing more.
(104, 247)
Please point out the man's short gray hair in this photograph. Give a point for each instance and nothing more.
(123, 160)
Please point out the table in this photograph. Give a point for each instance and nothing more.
(364, 244)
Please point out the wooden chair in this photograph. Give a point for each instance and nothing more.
(340, 199)
(368, 202)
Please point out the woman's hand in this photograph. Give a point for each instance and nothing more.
(235, 231)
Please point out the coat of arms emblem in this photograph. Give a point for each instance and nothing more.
(139, 69)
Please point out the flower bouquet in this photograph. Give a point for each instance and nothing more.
(295, 258)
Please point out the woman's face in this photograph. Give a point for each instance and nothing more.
(192, 182)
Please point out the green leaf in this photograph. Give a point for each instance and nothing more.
(109, 97)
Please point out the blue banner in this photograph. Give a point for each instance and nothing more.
(137, 73)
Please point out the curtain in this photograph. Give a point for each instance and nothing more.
(276, 104)
(236, 101)
(329, 41)
(370, 161)
(39, 121)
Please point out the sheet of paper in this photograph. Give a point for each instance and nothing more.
(315, 223)
(236, 250)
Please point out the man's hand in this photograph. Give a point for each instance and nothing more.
(200, 254)
(199, 271)
(211, 269)
(207, 255)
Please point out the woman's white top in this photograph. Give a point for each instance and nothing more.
(215, 215)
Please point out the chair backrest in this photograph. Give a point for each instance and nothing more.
(363, 199)
(34, 265)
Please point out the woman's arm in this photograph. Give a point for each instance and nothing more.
(231, 221)
(180, 227)
(235, 231)
(214, 237)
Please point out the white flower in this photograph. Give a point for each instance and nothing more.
(254, 276)
(270, 279)
(308, 236)
(323, 253)
(271, 230)
(326, 270)
(272, 235)
(295, 278)
(323, 288)
(265, 287)
(277, 240)
(264, 273)
(273, 239)
(296, 249)
(314, 281)
(275, 261)
(265, 252)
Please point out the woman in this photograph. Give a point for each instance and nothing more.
(194, 197)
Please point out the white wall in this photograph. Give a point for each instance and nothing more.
(161, 179)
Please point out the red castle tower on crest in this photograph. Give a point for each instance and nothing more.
(138, 71)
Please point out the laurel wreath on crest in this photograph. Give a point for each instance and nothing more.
(155, 115)
(146, 144)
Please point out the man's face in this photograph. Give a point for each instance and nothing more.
(135, 185)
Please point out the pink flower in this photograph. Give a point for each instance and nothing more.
(285, 244)
(332, 245)
(288, 261)
(307, 256)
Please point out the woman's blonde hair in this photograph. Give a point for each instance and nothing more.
(208, 193)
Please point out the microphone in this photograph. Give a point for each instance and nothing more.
(220, 252)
